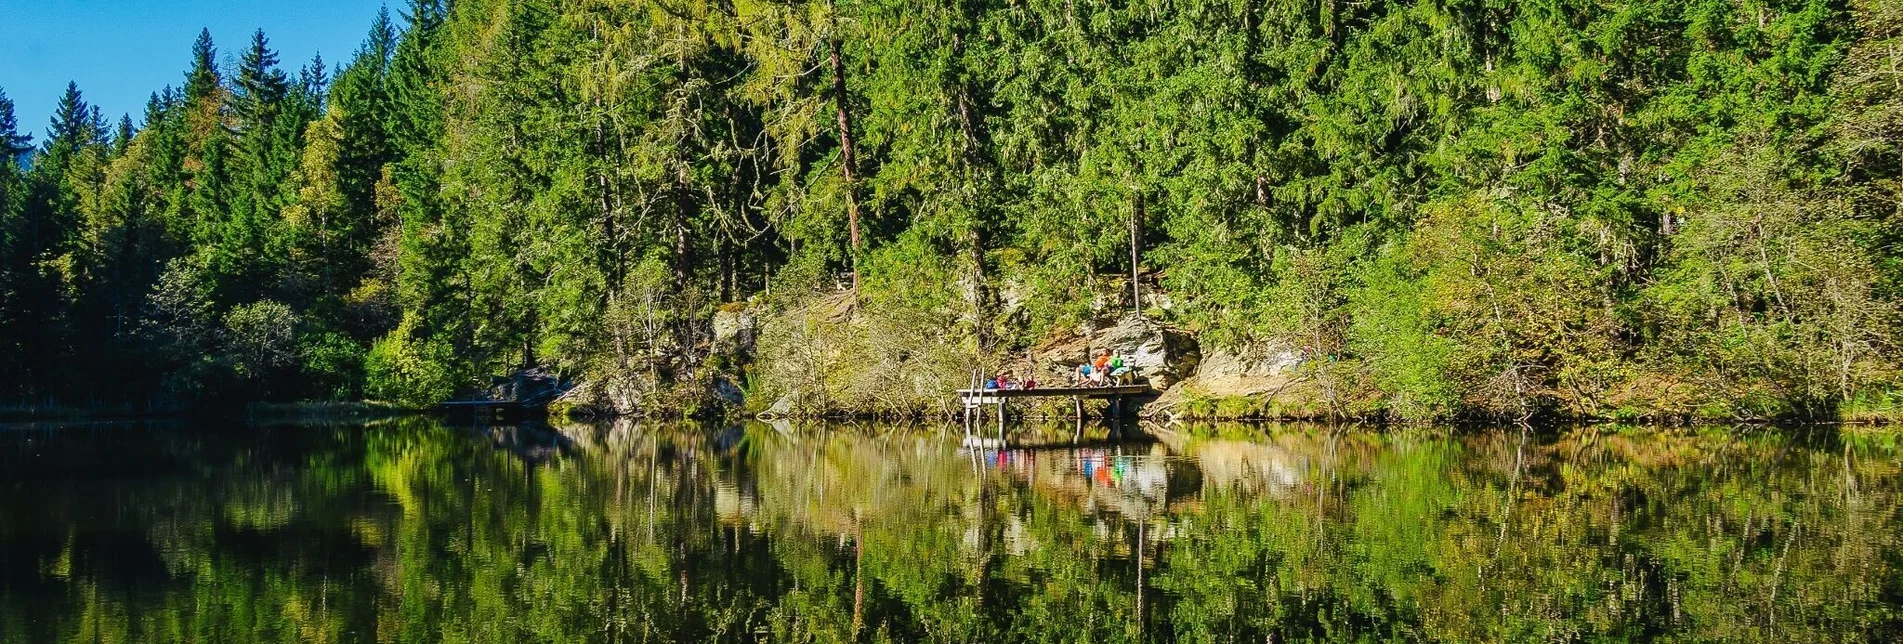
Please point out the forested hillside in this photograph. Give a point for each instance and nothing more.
(1639, 207)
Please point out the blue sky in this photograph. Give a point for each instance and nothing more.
(120, 51)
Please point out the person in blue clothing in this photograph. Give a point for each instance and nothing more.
(1089, 374)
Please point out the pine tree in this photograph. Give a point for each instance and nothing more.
(13, 143)
(313, 81)
(73, 122)
(15, 261)
(122, 135)
(266, 125)
(430, 283)
(259, 90)
(202, 81)
(63, 187)
(359, 116)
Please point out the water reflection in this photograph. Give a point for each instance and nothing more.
(416, 531)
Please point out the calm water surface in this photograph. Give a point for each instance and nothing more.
(420, 532)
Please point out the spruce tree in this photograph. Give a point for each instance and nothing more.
(260, 87)
(13, 142)
(73, 121)
(122, 135)
(265, 126)
(15, 262)
(360, 105)
(431, 285)
(202, 80)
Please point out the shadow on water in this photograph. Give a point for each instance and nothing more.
(411, 529)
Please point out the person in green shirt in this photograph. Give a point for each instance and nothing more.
(1120, 370)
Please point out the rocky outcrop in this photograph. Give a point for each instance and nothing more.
(1163, 355)
(529, 385)
(1260, 381)
(1251, 371)
(734, 333)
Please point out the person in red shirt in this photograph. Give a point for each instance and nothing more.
(1100, 368)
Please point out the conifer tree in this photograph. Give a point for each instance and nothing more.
(13, 143)
(201, 81)
(354, 129)
(15, 262)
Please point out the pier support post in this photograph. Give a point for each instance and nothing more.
(1000, 420)
(1077, 431)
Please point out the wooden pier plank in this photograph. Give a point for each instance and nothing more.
(1056, 392)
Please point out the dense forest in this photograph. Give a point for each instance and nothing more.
(1485, 207)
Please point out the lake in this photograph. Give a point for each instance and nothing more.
(416, 531)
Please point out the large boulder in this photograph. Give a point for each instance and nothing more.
(1163, 355)
(734, 332)
(726, 391)
(530, 385)
(1248, 371)
(782, 408)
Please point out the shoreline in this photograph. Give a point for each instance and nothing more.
(361, 411)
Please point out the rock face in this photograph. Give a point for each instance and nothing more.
(1266, 378)
(1247, 372)
(782, 408)
(734, 332)
(1163, 355)
(533, 385)
(725, 391)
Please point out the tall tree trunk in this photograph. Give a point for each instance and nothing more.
(528, 342)
(724, 259)
(1136, 234)
(981, 292)
(681, 206)
(848, 156)
(681, 200)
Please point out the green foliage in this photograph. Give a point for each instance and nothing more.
(1512, 209)
(404, 369)
(260, 339)
(896, 352)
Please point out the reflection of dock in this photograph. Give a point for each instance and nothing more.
(1133, 483)
(974, 400)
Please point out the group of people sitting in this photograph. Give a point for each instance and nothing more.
(1004, 381)
(1103, 370)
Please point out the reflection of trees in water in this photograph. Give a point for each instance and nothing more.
(630, 532)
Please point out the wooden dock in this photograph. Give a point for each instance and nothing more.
(974, 401)
(994, 396)
(493, 410)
